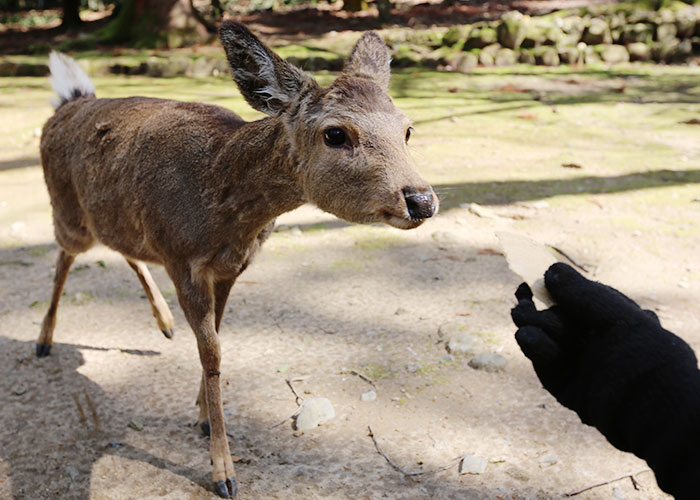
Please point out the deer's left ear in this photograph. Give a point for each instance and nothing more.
(370, 59)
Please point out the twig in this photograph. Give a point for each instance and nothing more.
(358, 374)
(291, 415)
(398, 468)
(569, 258)
(290, 383)
(615, 479)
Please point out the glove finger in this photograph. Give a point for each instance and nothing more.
(526, 314)
(539, 347)
(523, 292)
(652, 315)
(587, 300)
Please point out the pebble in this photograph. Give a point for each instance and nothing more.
(540, 205)
(517, 473)
(400, 311)
(18, 390)
(462, 342)
(447, 358)
(548, 459)
(482, 212)
(313, 412)
(413, 367)
(471, 464)
(72, 472)
(369, 396)
(617, 493)
(490, 362)
(136, 424)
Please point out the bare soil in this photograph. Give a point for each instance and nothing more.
(109, 414)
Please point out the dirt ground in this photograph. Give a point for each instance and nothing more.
(109, 414)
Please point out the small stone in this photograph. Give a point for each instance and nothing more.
(400, 311)
(18, 390)
(295, 231)
(548, 459)
(462, 343)
(369, 396)
(471, 464)
(313, 412)
(447, 358)
(136, 424)
(617, 493)
(72, 472)
(540, 205)
(518, 474)
(413, 367)
(482, 212)
(490, 362)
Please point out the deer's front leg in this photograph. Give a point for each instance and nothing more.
(197, 300)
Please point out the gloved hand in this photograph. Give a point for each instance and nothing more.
(611, 362)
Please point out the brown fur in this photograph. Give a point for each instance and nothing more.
(195, 188)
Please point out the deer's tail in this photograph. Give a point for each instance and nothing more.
(68, 79)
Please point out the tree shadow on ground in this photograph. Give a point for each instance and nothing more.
(505, 192)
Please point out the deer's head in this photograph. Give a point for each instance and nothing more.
(349, 141)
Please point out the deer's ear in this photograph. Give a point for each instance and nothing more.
(370, 58)
(268, 83)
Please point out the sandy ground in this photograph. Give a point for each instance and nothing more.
(318, 303)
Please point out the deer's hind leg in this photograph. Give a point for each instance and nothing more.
(45, 340)
(159, 306)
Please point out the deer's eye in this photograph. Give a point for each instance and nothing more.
(334, 136)
(408, 133)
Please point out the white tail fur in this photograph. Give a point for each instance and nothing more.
(68, 79)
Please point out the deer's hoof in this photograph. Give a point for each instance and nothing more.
(226, 489)
(206, 430)
(168, 333)
(43, 350)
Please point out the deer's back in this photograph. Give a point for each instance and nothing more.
(141, 171)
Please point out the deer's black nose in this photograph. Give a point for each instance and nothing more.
(420, 204)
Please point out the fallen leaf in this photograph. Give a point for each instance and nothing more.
(692, 121)
(453, 90)
(571, 165)
(527, 116)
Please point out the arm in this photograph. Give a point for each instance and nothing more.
(613, 363)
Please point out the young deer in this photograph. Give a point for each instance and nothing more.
(195, 188)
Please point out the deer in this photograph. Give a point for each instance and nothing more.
(195, 188)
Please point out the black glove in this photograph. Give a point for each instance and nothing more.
(611, 362)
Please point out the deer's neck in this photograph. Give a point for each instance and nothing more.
(258, 172)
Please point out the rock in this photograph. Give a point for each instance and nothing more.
(513, 28)
(687, 21)
(136, 424)
(548, 459)
(666, 31)
(296, 231)
(480, 37)
(18, 390)
(572, 27)
(369, 396)
(400, 311)
(466, 62)
(413, 367)
(482, 212)
(456, 36)
(486, 58)
(490, 362)
(314, 412)
(72, 472)
(613, 54)
(526, 57)
(471, 464)
(597, 32)
(639, 51)
(568, 55)
(664, 50)
(591, 56)
(518, 474)
(462, 343)
(546, 56)
(534, 37)
(505, 57)
(637, 32)
(447, 358)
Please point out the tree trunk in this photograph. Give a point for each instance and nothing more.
(149, 23)
(71, 14)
